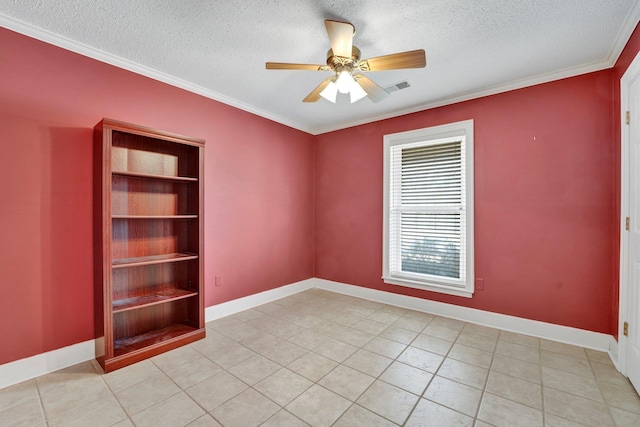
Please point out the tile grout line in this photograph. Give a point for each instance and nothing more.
(177, 385)
(113, 393)
(486, 381)
(453, 343)
(540, 370)
(40, 403)
(421, 396)
(97, 374)
(595, 377)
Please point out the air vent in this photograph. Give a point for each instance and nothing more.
(397, 86)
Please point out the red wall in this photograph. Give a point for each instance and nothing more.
(258, 182)
(546, 226)
(544, 201)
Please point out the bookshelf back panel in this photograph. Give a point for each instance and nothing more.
(139, 196)
(154, 279)
(128, 325)
(138, 154)
(132, 238)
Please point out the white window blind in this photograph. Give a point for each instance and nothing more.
(426, 210)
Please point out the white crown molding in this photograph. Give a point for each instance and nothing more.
(625, 33)
(108, 58)
(494, 90)
(97, 54)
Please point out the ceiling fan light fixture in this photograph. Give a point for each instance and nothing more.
(330, 92)
(345, 81)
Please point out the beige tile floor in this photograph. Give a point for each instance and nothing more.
(324, 359)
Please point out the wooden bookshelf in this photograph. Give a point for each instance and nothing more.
(149, 247)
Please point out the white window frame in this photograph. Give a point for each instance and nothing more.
(462, 131)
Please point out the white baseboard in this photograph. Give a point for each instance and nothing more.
(565, 334)
(31, 367)
(44, 363)
(613, 353)
(237, 305)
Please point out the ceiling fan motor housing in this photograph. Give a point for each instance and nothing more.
(334, 61)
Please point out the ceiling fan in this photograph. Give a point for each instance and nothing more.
(344, 59)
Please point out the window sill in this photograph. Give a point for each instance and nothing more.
(429, 286)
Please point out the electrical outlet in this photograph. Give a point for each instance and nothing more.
(218, 280)
(479, 284)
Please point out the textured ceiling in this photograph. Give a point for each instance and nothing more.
(219, 48)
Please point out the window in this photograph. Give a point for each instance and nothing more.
(428, 209)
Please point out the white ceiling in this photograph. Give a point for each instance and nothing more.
(219, 48)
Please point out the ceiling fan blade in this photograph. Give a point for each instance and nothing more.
(288, 66)
(375, 92)
(314, 96)
(395, 61)
(340, 36)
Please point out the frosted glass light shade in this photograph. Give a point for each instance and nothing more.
(357, 93)
(330, 92)
(345, 82)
